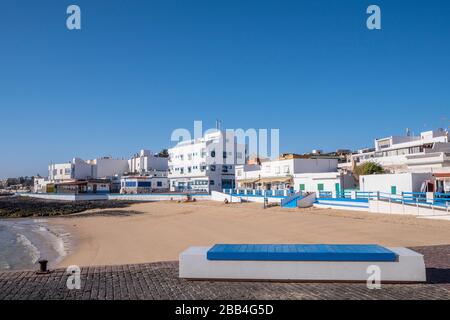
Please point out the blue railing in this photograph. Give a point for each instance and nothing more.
(260, 193)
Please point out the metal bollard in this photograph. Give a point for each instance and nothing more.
(43, 266)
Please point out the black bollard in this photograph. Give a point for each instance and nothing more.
(43, 266)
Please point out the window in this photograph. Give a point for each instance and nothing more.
(130, 184)
(213, 154)
(286, 169)
(159, 183)
(211, 182)
(224, 155)
(212, 168)
(302, 187)
(239, 155)
(145, 184)
(239, 173)
(320, 186)
(224, 169)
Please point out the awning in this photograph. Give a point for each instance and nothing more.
(247, 181)
(276, 180)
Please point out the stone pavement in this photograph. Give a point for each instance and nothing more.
(160, 281)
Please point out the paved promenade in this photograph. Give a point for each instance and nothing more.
(160, 281)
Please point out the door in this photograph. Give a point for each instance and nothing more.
(393, 189)
(337, 187)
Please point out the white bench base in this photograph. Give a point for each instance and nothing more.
(410, 267)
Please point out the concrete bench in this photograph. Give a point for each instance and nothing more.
(301, 263)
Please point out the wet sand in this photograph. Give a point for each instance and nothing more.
(163, 230)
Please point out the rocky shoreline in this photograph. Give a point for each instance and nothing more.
(23, 207)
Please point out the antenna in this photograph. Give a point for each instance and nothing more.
(218, 123)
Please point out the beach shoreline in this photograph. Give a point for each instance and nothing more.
(28, 240)
(160, 231)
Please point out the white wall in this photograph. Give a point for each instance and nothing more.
(82, 169)
(404, 182)
(315, 165)
(311, 181)
(107, 167)
(377, 206)
(286, 168)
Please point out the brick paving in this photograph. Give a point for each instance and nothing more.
(160, 281)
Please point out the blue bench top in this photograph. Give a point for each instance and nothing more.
(301, 252)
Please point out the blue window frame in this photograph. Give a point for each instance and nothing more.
(145, 184)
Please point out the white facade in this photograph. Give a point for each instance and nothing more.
(333, 182)
(428, 152)
(145, 161)
(107, 167)
(78, 169)
(40, 185)
(206, 164)
(279, 174)
(157, 182)
(394, 183)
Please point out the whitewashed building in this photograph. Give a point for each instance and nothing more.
(79, 169)
(158, 182)
(395, 183)
(429, 152)
(74, 170)
(279, 174)
(145, 161)
(332, 182)
(42, 185)
(205, 164)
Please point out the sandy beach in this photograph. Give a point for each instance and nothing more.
(164, 229)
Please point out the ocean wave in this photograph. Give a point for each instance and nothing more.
(29, 247)
(58, 241)
(4, 265)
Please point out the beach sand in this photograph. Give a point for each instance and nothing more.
(165, 229)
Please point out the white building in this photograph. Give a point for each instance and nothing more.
(279, 174)
(42, 185)
(107, 167)
(333, 182)
(79, 169)
(429, 152)
(145, 161)
(395, 183)
(205, 164)
(145, 184)
(74, 170)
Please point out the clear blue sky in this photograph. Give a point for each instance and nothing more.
(139, 69)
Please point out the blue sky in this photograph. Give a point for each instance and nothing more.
(139, 69)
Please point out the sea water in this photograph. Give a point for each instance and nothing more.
(24, 241)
